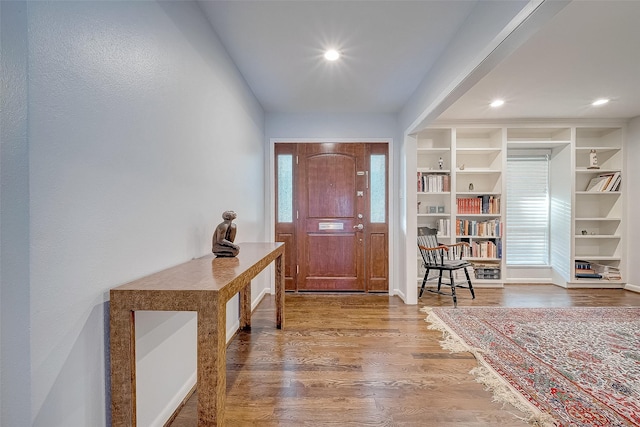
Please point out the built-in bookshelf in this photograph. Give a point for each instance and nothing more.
(461, 181)
(598, 207)
(459, 192)
(433, 179)
(479, 155)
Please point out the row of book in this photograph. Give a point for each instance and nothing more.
(491, 228)
(433, 183)
(605, 182)
(591, 270)
(484, 204)
(443, 225)
(483, 249)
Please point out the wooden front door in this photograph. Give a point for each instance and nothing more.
(336, 238)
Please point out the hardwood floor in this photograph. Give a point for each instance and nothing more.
(367, 360)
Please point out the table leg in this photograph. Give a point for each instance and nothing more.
(280, 291)
(212, 354)
(123, 365)
(245, 307)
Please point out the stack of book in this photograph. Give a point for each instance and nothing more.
(607, 272)
(584, 270)
(486, 270)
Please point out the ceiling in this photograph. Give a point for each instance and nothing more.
(588, 50)
(387, 47)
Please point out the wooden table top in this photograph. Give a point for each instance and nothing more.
(208, 273)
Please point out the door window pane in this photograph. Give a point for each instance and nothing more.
(378, 190)
(285, 188)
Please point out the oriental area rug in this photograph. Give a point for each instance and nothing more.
(560, 366)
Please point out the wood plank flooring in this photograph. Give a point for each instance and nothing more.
(367, 360)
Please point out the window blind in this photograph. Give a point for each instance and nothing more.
(527, 216)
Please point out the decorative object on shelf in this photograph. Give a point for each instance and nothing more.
(584, 232)
(461, 167)
(440, 163)
(471, 186)
(440, 209)
(593, 160)
(222, 242)
(419, 203)
(433, 209)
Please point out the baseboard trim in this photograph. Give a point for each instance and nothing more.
(632, 288)
(175, 413)
(231, 333)
(529, 281)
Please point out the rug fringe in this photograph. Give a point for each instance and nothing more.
(485, 375)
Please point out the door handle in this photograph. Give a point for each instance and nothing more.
(359, 226)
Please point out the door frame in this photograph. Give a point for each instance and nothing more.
(270, 199)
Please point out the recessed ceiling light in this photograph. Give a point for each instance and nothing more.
(598, 102)
(497, 103)
(331, 55)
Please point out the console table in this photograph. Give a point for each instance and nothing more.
(203, 285)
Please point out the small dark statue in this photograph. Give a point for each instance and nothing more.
(222, 242)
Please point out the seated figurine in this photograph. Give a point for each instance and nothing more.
(222, 243)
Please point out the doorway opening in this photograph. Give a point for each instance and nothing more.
(332, 212)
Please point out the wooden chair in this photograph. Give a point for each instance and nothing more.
(436, 256)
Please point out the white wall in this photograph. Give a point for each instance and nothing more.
(632, 181)
(14, 219)
(354, 126)
(561, 178)
(141, 132)
(482, 31)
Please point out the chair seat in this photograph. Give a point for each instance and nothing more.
(452, 264)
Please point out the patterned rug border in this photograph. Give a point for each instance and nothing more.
(484, 374)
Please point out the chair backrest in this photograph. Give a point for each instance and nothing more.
(427, 238)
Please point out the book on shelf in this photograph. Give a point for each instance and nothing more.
(468, 227)
(608, 272)
(433, 182)
(483, 249)
(604, 182)
(485, 204)
(443, 226)
(584, 270)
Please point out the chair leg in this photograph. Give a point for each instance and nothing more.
(466, 273)
(424, 281)
(439, 281)
(453, 289)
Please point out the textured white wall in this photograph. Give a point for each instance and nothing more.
(14, 218)
(141, 133)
